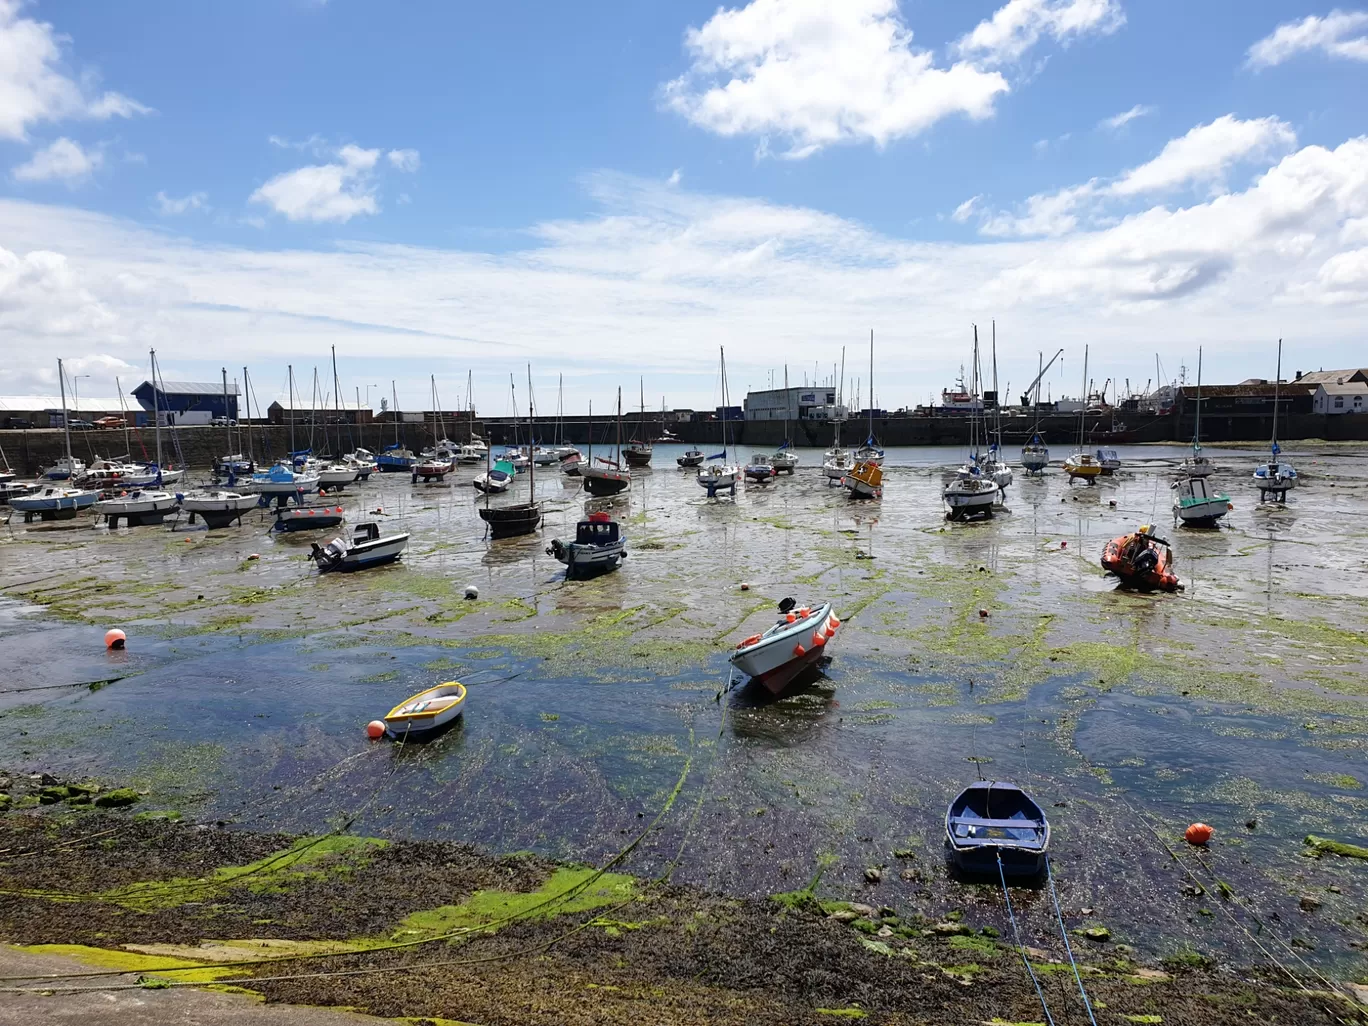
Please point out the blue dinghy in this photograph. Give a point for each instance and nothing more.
(993, 819)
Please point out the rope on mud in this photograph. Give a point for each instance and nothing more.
(554, 899)
(1021, 948)
(1059, 917)
(74, 842)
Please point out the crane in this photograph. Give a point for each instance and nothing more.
(1026, 396)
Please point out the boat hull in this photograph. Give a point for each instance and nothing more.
(978, 843)
(427, 714)
(511, 521)
(308, 518)
(598, 481)
(783, 654)
(1135, 572)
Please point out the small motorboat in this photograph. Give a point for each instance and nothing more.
(638, 454)
(691, 458)
(1083, 466)
(970, 494)
(760, 469)
(1141, 560)
(53, 502)
(334, 476)
(137, 508)
(543, 457)
(512, 520)
(219, 508)
(434, 467)
(1109, 461)
(496, 479)
(1196, 505)
(785, 460)
(471, 454)
(363, 461)
(367, 549)
(599, 546)
(395, 459)
(788, 648)
(836, 464)
(993, 823)
(235, 465)
(865, 481)
(308, 518)
(1035, 456)
(570, 463)
(605, 477)
(64, 469)
(427, 713)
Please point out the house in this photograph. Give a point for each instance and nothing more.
(1249, 397)
(1340, 397)
(189, 402)
(346, 411)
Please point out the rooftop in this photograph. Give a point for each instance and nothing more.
(192, 387)
(1347, 388)
(1322, 376)
(1251, 389)
(86, 404)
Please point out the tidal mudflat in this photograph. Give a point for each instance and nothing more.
(995, 648)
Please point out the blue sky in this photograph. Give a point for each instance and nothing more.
(613, 189)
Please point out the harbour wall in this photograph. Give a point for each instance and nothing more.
(30, 451)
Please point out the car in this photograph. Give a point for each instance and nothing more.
(17, 424)
(106, 423)
(223, 422)
(77, 424)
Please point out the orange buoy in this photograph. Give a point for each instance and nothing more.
(745, 586)
(789, 618)
(818, 639)
(749, 641)
(254, 555)
(1198, 834)
(983, 612)
(834, 622)
(799, 650)
(115, 639)
(375, 729)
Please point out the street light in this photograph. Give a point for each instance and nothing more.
(368, 388)
(76, 393)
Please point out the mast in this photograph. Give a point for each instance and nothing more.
(66, 415)
(290, 386)
(723, 352)
(591, 433)
(470, 401)
(394, 395)
(840, 389)
(247, 393)
(432, 380)
(871, 387)
(1277, 383)
(617, 454)
(313, 411)
(513, 394)
(337, 403)
(786, 405)
(123, 412)
(997, 402)
(1197, 427)
(560, 410)
(227, 421)
(1083, 408)
(156, 411)
(641, 417)
(531, 464)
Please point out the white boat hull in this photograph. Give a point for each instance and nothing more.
(786, 649)
(54, 501)
(718, 479)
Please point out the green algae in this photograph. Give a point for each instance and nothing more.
(1343, 781)
(843, 1013)
(1318, 846)
(587, 890)
(132, 962)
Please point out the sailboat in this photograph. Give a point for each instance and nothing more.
(232, 462)
(1276, 477)
(1083, 464)
(836, 461)
(521, 517)
(718, 477)
(1197, 465)
(604, 476)
(638, 453)
(870, 452)
(971, 492)
(1035, 454)
(395, 459)
(56, 502)
(147, 504)
(1194, 503)
(993, 464)
(439, 462)
(785, 460)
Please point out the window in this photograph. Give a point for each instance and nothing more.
(1339, 402)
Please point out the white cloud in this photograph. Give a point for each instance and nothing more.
(967, 209)
(169, 206)
(64, 160)
(821, 73)
(657, 268)
(327, 192)
(403, 160)
(1204, 156)
(675, 176)
(33, 86)
(1018, 25)
(1339, 34)
(1117, 121)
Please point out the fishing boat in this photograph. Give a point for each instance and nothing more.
(1277, 477)
(218, 508)
(366, 549)
(1195, 504)
(472, 454)
(496, 479)
(994, 828)
(427, 713)
(1141, 560)
(796, 641)
(865, 481)
(1083, 465)
(522, 517)
(1108, 460)
(1035, 454)
(53, 502)
(760, 469)
(691, 458)
(972, 492)
(638, 453)
(599, 546)
(603, 476)
(314, 517)
(137, 508)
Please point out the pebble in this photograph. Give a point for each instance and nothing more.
(861, 909)
(1309, 903)
(873, 874)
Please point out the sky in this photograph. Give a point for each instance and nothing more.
(612, 192)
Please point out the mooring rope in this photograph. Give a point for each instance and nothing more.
(1059, 917)
(1021, 948)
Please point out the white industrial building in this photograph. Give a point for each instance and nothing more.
(42, 411)
(804, 403)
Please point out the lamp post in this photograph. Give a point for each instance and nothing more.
(368, 388)
(76, 394)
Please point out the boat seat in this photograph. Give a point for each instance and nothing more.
(1004, 824)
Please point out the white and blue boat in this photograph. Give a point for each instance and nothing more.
(599, 546)
(395, 459)
(367, 549)
(995, 827)
(54, 502)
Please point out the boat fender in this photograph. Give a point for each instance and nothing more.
(749, 641)
(375, 729)
(818, 639)
(789, 618)
(804, 610)
(115, 640)
(833, 623)
(799, 650)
